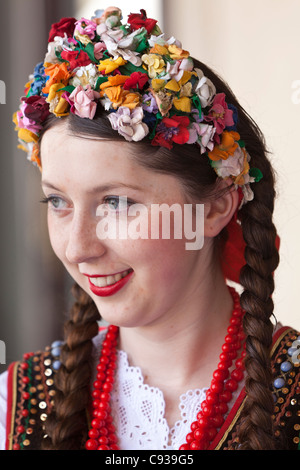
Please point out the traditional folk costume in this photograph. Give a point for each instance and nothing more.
(149, 87)
(31, 392)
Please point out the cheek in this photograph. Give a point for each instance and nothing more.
(57, 238)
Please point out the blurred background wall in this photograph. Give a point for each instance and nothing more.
(253, 45)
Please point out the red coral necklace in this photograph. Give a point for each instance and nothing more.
(210, 418)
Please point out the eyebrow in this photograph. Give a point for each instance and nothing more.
(100, 189)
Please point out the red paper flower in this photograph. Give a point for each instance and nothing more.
(76, 59)
(65, 25)
(172, 130)
(140, 20)
(136, 80)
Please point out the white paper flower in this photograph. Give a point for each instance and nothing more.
(205, 89)
(129, 123)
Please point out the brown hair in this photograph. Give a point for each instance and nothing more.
(66, 426)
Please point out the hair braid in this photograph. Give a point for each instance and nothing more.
(256, 430)
(66, 426)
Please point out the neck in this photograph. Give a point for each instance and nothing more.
(185, 347)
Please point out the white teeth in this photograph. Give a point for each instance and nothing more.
(108, 280)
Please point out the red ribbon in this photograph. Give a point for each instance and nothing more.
(233, 258)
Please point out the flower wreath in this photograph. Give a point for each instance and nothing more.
(148, 85)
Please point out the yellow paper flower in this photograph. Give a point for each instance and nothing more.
(177, 53)
(158, 49)
(107, 66)
(172, 85)
(183, 104)
(157, 84)
(57, 105)
(155, 63)
(27, 136)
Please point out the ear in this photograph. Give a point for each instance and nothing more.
(219, 212)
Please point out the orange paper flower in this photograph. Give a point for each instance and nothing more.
(58, 74)
(227, 146)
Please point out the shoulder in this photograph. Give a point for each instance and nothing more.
(286, 385)
(30, 392)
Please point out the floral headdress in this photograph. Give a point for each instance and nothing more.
(147, 84)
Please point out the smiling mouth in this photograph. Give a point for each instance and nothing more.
(103, 281)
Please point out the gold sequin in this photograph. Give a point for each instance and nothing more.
(296, 440)
(26, 442)
(49, 382)
(47, 362)
(293, 402)
(42, 405)
(29, 431)
(43, 417)
(48, 372)
(297, 427)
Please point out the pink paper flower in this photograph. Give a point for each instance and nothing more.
(83, 100)
(86, 27)
(219, 114)
(99, 48)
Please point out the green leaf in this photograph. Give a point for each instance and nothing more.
(99, 82)
(256, 173)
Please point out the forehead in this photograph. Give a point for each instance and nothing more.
(70, 161)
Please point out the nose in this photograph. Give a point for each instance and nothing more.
(83, 243)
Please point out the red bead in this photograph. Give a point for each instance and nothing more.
(222, 408)
(25, 413)
(216, 386)
(184, 447)
(101, 414)
(231, 385)
(93, 433)
(199, 434)
(211, 433)
(103, 447)
(207, 410)
(105, 396)
(112, 439)
(239, 363)
(96, 403)
(220, 374)
(217, 420)
(101, 376)
(24, 365)
(97, 384)
(26, 356)
(103, 440)
(97, 423)
(232, 329)
(96, 394)
(114, 447)
(16, 447)
(237, 375)
(224, 365)
(194, 426)
(230, 338)
(212, 398)
(26, 380)
(101, 367)
(190, 437)
(20, 429)
(104, 360)
(26, 395)
(103, 431)
(202, 420)
(107, 387)
(225, 396)
(194, 445)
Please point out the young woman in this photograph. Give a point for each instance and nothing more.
(121, 121)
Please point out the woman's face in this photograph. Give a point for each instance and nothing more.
(82, 177)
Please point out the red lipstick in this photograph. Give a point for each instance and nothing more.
(112, 289)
